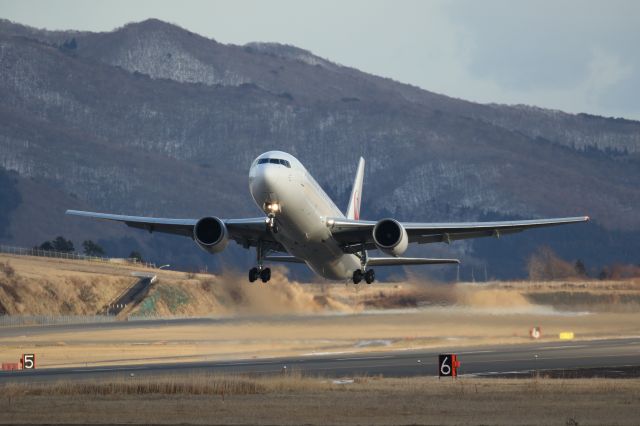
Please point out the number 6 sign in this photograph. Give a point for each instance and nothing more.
(448, 365)
(28, 361)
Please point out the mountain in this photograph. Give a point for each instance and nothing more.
(152, 119)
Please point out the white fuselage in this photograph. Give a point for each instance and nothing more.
(301, 218)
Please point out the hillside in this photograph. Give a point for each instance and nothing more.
(138, 119)
(45, 286)
(51, 286)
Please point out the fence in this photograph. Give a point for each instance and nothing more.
(27, 320)
(154, 317)
(21, 320)
(21, 251)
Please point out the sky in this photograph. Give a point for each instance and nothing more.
(572, 55)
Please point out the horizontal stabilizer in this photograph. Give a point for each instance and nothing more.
(396, 261)
(285, 259)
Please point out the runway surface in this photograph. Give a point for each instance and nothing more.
(482, 360)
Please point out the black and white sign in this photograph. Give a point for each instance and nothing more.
(445, 365)
(28, 361)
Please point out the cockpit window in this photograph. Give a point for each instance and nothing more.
(274, 161)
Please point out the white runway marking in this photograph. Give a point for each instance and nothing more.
(563, 347)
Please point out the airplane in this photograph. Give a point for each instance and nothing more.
(303, 224)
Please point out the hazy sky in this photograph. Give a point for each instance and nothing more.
(578, 56)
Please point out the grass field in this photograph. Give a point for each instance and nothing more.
(308, 400)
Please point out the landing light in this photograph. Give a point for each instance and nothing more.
(272, 207)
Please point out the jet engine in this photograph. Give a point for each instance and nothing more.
(390, 237)
(211, 234)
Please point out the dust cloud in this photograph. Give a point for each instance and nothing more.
(284, 296)
(279, 296)
(490, 297)
(465, 295)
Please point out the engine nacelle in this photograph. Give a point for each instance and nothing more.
(211, 234)
(391, 237)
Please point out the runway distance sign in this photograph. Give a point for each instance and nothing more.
(28, 361)
(448, 365)
(535, 332)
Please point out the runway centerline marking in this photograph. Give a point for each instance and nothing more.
(565, 347)
(362, 358)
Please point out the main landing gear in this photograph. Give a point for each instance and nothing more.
(263, 274)
(368, 274)
(260, 272)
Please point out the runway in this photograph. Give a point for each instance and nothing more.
(479, 361)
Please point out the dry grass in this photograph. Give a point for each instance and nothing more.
(134, 386)
(41, 286)
(190, 384)
(294, 399)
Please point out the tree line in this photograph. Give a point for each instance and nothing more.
(545, 265)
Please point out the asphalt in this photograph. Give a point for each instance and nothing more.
(621, 356)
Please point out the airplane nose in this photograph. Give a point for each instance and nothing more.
(264, 182)
(270, 177)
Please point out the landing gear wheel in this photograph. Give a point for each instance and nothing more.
(370, 276)
(253, 274)
(357, 276)
(265, 275)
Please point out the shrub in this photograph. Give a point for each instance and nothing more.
(7, 269)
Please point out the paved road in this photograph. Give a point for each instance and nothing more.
(485, 360)
(131, 297)
(39, 329)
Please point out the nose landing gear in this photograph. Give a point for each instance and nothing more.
(272, 208)
(271, 223)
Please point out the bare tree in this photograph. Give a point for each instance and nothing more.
(545, 265)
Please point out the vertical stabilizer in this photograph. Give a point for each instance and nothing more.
(353, 210)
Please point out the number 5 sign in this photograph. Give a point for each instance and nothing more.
(28, 361)
(448, 365)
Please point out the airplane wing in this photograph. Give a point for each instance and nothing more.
(376, 261)
(244, 231)
(284, 259)
(398, 261)
(354, 234)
